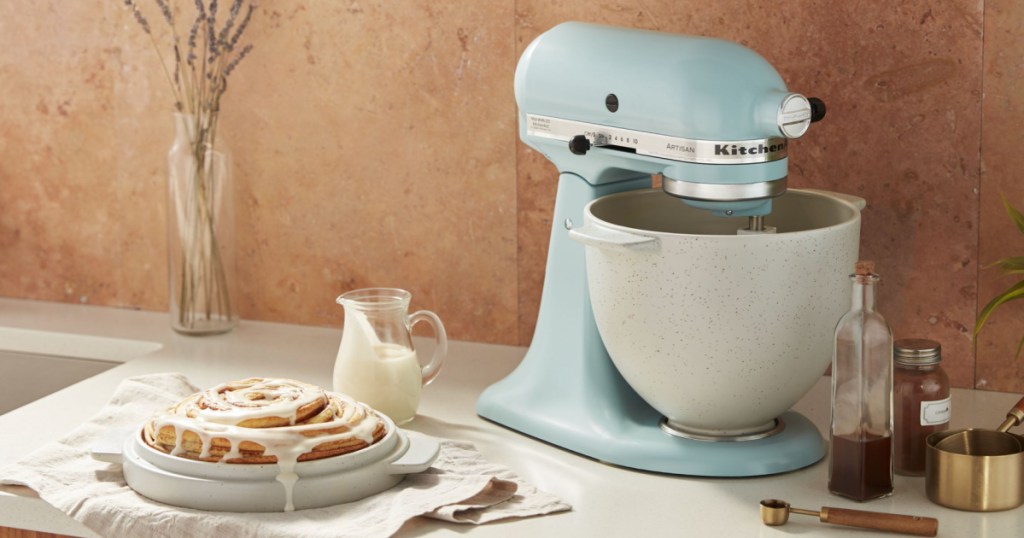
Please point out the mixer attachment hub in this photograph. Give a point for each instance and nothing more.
(756, 225)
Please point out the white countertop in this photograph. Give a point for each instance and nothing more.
(606, 500)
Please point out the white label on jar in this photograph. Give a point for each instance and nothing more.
(935, 412)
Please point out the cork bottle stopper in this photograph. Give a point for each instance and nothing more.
(864, 268)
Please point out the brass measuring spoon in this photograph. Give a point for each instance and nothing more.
(975, 442)
(775, 512)
(976, 469)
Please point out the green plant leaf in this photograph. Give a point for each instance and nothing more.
(1014, 265)
(1015, 291)
(1015, 215)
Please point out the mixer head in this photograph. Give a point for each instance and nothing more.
(712, 117)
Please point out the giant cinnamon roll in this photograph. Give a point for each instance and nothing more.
(260, 420)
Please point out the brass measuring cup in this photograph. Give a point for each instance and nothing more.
(976, 469)
(776, 512)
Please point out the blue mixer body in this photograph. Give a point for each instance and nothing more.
(652, 95)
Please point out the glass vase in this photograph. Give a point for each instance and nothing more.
(201, 229)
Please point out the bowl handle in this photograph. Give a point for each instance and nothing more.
(110, 446)
(421, 453)
(597, 236)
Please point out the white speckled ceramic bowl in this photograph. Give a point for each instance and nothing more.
(719, 332)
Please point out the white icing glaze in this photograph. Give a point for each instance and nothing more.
(177, 440)
(228, 406)
(268, 398)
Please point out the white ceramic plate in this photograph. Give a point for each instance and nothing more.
(257, 488)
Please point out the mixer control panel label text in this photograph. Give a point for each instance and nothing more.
(658, 145)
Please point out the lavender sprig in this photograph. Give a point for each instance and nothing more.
(211, 23)
(199, 81)
(234, 63)
(192, 35)
(241, 29)
(138, 16)
(165, 8)
(222, 39)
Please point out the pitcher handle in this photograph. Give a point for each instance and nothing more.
(430, 371)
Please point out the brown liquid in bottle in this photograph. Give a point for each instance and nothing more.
(861, 467)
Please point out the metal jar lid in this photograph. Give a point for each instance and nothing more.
(916, 351)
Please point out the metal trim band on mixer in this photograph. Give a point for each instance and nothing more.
(671, 428)
(655, 145)
(724, 191)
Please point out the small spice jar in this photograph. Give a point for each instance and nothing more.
(921, 403)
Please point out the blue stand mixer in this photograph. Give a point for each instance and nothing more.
(610, 107)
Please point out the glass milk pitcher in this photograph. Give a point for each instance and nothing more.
(377, 363)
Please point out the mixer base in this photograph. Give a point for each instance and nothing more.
(645, 446)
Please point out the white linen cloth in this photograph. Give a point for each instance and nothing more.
(461, 486)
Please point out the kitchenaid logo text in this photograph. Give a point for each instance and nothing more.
(736, 149)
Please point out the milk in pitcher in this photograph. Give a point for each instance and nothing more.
(385, 376)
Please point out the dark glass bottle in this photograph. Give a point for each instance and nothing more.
(861, 427)
(921, 403)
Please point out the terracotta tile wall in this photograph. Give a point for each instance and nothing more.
(375, 144)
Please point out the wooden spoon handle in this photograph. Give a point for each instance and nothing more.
(1017, 411)
(918, 526)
